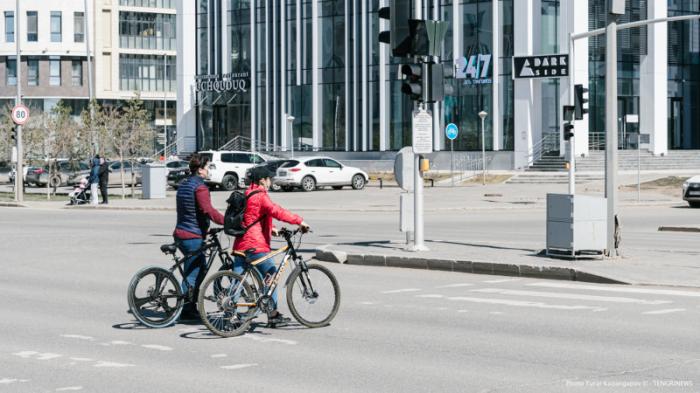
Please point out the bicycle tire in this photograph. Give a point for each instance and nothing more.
(297, 284)
(218, 314)
(145, 315)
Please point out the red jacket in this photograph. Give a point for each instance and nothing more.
(258, 236)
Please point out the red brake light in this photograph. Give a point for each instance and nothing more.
(295, 169)
(39, 171)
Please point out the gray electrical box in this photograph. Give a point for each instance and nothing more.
(576, 224)
(154, 181)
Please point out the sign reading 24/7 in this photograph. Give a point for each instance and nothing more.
(475, 70)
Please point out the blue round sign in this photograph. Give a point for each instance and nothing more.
(451, 131)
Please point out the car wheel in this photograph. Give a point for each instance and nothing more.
(275, 187)
(358, 182)
(337, 187)
(308, 183)
(55, 182)
(229, 182)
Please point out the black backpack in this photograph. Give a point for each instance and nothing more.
(233, 217)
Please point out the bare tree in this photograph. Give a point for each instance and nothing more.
(62, 139)
(140, 134)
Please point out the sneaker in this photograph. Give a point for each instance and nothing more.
(278, 320)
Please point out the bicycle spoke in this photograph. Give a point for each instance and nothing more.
(138, 302)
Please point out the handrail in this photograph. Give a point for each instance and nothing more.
(548, 143)
(168, 149)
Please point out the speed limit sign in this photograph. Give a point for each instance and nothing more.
(20, 114)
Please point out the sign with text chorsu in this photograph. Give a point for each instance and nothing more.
(543, 66)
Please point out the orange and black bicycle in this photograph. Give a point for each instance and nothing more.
(228, 302)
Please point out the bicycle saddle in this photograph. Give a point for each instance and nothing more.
(168, 248)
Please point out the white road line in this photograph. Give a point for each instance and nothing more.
(157, 347)
(268, 340)
(431, 296)
(47, 356)
(119, 342)
(26, 354)
(462, 310)
(82, 359)
(495, 313)
(78, 336)
(610, 288)
(573, 296)
(667, 311)
(521, 303)
(112, 364)
(368, 303)
(219, 355)
(454, 286)
(239, 366)
(501, 280)
(7, 381)
(69, 388)
(401, 290)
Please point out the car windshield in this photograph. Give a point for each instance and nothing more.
(290, 164)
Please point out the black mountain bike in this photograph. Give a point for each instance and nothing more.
(228, 302)
(155, 296)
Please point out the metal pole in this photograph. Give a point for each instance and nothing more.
(165, 106)
(611, 130)
(418, 242)
(572, 83)
(452, 162)
(639, 167)
(483, 115)
(91, 91)
(19, 175)
(572, 165)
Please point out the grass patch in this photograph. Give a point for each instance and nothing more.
(490, 179)
(664, 182)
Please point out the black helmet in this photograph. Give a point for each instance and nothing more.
(260, 172)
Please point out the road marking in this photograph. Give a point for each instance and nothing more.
(454, 286)
(462, 310)
(574, 296)
(48, 356)
(269, 340)
(219, 355)
(68, 388)
(367, 303)
(157, 347)
(521, 303)
(401, 290)
(25, 354)
(495, 313)
(239, 366)
(119, 342)
(670, 292)
(78, 336)
(667, 311)
(501, 280)
(82, 359)
(431, 296)
(112, 364)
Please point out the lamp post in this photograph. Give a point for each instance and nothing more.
(290, 126)
(483, 115)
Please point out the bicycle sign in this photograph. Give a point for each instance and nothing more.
(20, 114)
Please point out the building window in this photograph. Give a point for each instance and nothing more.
(148, 3)
(146, 73)
(11, 75)
(55, 72)
(32, 72)
(9, 26)
(140, 30)
(32, 26)
(78, 26)
(77, 74)
(56, 26)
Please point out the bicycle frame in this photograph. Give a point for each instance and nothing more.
(211, 245)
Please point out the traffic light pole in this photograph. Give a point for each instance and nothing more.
(418, 224)
(611, 129)
(19, 174)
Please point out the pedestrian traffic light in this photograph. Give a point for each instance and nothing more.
(398, 37)
(413, 80)
(13, 133)
(568, 131)
(580, 102)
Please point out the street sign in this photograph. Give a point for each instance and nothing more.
(543, 66)
(632, 118)
(20, 114)
(404, 167)
(422, 132)
(451, 131)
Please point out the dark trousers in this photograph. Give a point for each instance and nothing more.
(103, 191)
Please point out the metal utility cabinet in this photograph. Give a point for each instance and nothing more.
(154, 181)
(576, 224)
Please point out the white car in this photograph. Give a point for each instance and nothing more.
(312, 172)
(228, 168)
(691, 191)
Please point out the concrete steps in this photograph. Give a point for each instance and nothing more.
(628, 160)
(551, 178)
(550, 163)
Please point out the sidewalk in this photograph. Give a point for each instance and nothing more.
(639, 267)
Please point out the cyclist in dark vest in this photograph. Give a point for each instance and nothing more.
(194, 213)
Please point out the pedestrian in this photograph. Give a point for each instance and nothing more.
(194, 213)
(104, 180)
(94, 178)
(255, 243)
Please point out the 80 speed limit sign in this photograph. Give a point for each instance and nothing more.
(20, 114)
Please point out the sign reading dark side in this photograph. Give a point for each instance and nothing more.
(545, 66)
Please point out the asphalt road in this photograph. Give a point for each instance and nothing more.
(66, 328)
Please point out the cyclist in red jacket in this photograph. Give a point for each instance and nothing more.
(255, 243)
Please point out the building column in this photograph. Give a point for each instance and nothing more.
(253, 88)
(285, 139)
(496, 54)
(527, 97)
(384, 86)
(653, 81)
(571, 22)
(186, 71)
(317, 103)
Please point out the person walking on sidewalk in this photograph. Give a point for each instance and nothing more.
(194, 213)
(94, 179)
(255, 243)
(104, 179)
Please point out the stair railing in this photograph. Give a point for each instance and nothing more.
(548, 143)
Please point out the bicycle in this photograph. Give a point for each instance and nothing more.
(228, 302)
(159, 302)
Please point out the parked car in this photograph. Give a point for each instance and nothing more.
(691, 191)
(272, 166)
(228, 168)
(310, 173)
(114, 174)
(176, 165)
(175, 177)
(61, 175)
(25, 169)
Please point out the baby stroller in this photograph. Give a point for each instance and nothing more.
(81, 193)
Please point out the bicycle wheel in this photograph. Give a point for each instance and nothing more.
(155, 297)
(226, 304)
(313, 296)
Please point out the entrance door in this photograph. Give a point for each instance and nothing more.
(626, 132)
(675, 122)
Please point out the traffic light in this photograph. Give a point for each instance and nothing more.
(438, 82)
(568, 131)
(580, 102)
(13, 133)
(413, 80)
(398, 37)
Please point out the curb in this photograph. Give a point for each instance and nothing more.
(326, 254)
(123, 208)
(12, 204)
(679, 229)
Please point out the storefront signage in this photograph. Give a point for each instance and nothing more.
(546, 66)
(233, 82)
(475, 69)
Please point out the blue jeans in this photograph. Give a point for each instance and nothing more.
(193, 268)
(263, 269)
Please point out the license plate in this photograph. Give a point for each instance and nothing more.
(694, 193)
(283, 173)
